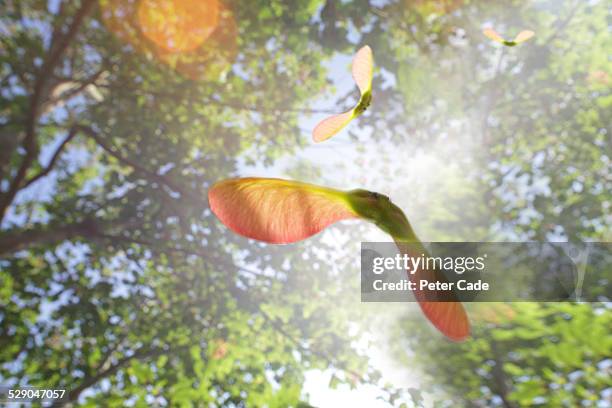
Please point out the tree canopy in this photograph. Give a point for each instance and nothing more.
(118, 284)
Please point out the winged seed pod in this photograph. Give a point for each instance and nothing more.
(362, 67)
(520, 38)
(280, 211)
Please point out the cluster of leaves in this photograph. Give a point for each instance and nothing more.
(542, 355)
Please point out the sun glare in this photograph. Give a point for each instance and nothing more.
(178, 26)
(198, 39)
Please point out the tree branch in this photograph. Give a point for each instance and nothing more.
(150, 175)
(302, 349)
(61, 43)
(111, 349)
(228, 104)
(73, 394)
(78, 87)
(12, 241)
(239, 106)
(491, 98)
(57, 48)
(71, 133)
(212, 260)
(563, 24)
(499, 376)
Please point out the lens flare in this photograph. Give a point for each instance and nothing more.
(214, 57)
(198, 39)
(178, 25)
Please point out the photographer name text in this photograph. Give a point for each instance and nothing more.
(424, 284)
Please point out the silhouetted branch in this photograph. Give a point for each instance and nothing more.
(79, 87)
(499, 376)
(150, 175)
(71, 133)
(564, 23)
(212, 260)
(232, 105)
(59, 44)
(239, 106)
(73, 394)
(303, 349)
(12, 241)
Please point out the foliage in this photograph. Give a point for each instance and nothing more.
(116, 282)
(544, 355)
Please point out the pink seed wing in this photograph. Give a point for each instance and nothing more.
(330, 126)
(276, 211)
(523, 36)
(493, 35)
(449, 317)
(363, 63)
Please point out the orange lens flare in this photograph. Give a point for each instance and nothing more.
(196, 38)
(178, 25)
(214, 57)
